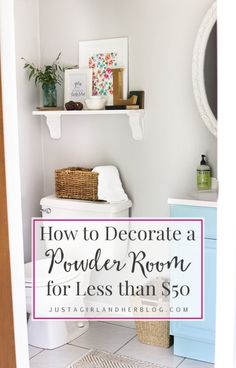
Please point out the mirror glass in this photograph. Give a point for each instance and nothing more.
(210, 70)
(204, 69)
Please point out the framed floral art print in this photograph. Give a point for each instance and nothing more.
(101, 56)
(77, 84)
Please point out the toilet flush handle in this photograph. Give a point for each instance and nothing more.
(46, 210)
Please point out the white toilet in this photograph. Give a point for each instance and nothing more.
(52, 334)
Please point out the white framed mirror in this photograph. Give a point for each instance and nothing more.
(204, 69)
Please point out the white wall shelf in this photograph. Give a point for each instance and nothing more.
(53, 119)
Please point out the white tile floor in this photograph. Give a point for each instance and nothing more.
(111, 337)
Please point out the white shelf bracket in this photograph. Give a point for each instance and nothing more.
(54, 125)
(53, 120)
(136, 122)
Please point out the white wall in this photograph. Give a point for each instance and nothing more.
(161, 38)
(27, 45)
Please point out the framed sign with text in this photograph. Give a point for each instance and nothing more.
(78, 84)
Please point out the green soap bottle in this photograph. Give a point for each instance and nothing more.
(203, 175)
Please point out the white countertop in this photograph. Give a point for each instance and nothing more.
(192, 202)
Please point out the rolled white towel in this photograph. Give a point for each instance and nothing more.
(109, 184)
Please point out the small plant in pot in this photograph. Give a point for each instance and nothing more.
(48, 76)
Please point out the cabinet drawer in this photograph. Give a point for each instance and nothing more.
(208, 213)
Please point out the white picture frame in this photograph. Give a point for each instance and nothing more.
(118, 47)
(77, 84)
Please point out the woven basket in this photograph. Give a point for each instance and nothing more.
(154, 333)
(76, 183)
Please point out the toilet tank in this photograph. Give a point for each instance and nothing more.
(52, 206)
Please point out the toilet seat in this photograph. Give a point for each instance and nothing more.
(42, 267)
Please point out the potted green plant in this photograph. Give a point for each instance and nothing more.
(48, 76)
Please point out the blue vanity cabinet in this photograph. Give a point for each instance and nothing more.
(196, 339)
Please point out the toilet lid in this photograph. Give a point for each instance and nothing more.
(42, 276)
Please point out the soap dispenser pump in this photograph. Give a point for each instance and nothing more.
(203, 175)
